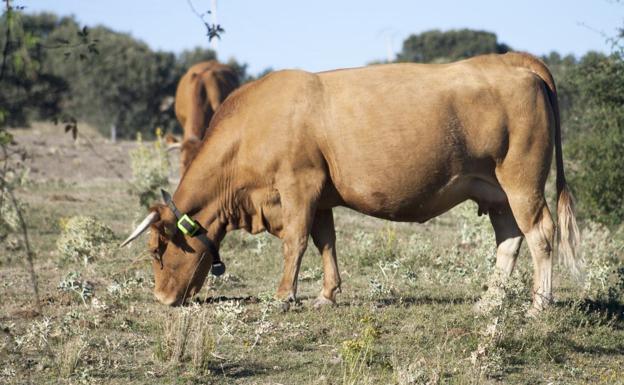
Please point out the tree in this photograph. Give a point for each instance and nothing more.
(27, 90)
(596, 126)
(124, 85)
(100, 76)
(439, 46)
(562, 68)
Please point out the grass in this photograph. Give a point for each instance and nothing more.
(405, 315)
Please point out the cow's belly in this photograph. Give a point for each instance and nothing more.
(420, 203)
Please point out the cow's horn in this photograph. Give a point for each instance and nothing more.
(149, 219)
(174, 146)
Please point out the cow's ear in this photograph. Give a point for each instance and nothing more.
(166, 227)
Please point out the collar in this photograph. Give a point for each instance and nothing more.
(194, 229)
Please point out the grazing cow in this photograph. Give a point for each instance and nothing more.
(200, 92)
(403, 142)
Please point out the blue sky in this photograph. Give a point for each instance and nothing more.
(325, 34)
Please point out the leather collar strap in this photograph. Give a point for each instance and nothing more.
(218, 267)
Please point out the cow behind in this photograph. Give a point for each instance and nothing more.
(200, 92)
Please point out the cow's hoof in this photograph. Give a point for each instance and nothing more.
(321, 301)
(536, 309)
(289, 300)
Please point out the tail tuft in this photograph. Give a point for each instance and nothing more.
(569, 235)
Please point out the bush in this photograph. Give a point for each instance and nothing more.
(599, 176)
(604, 253)
(596, 126)
(83, 239)
(150, 170)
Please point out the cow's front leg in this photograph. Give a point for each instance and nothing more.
(299, 193)
(293, 248)
(294, 243)
(324, 237)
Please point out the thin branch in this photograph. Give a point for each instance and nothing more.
(24, 229)
(212, 30)
(5, 188)
(201, 16)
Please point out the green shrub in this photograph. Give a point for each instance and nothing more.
(597, 144)
(150, 170)
(83, 239)
(604, 253)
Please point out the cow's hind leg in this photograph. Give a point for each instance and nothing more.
(534, 220)
(324, 237)
(508, 242)
(508, 239)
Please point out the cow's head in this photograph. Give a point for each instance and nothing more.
(181, 259)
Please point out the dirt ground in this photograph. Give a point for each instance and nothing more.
(54, 155)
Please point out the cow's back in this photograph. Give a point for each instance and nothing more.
(395, 140)
(397, 135)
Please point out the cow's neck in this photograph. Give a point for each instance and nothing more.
(207, 190)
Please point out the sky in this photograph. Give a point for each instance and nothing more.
(324, 34)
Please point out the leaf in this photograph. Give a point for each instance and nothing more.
(84, 32)
(92, 49)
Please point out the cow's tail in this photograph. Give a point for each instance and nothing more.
(568, 231)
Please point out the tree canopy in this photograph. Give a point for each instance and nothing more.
(113, 79)
(445, 46)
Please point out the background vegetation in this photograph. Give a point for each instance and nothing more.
(96, 75)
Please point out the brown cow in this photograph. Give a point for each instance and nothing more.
(404, 142)
(200, 92)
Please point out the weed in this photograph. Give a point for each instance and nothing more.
(311, 274)
(415, 373)
(74, 284)
(83, 239)
(9, 219)
(70, 354)
(357, 353)
(504, 306)
(150, 170)
(186, 336)
(378, 289)
(603, 252)
(121, 289)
